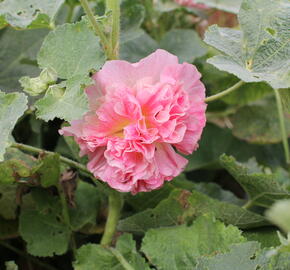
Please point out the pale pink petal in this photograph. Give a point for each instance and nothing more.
(168, 161)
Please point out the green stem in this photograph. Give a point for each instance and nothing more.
(247, 205)
(23, 254)
(65, 160)
(282, 126)
(121, 259)
(115, 207)
(97, 28)
(114, 6)
(70, 14)
(225, 92)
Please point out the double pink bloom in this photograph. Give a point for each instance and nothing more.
(139, 114)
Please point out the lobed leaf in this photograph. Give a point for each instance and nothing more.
(97, 257)
(30, 13)
(186, 244)
(12, 106)
(182, 207)
(260, 51)
(263, 189)
(71, 50)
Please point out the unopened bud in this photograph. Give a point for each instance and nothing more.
(56, 91)
(48, 76)
(33, 86)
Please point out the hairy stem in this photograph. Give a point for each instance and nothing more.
(114, 6)
(225, 92)
(282, 126)
(72, 163)
(97, 28)
(115, 207)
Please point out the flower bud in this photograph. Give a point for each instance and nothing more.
(33, 86)
(56, 91)
(279, 214)
(48, 76)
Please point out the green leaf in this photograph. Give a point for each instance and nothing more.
(144, 200)
(87, 200)
(259, 52)
(217, 81)
(246, 256)
(13, 170)
(132, 16)
(138, 48)
(70, 105)
(178, 248)
(182, 207)
(184, 43)
(18, 51)
(16, 166)
(49, 170)
(71, 49)
(8, 204)
(97, 257)
(12, 106)
(42, 228)
(232, 6)
(30, 13)
(214, 191)
(11, 265)
(264, 126)
(240, 257)
(209, 151)
(9, 228)
(227, 212)
(266, 236)
(263, 189)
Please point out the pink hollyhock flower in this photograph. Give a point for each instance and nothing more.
(191, 3)
(139, 114)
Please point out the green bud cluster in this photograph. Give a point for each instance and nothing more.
(36, 86)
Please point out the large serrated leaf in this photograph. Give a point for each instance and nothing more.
(183, 206)
(30, 13)
(246, 256)
(97, 257)
(263, 189)
(12, 106)
(42, 226)
(260, 51)
(177, 248)
(71, 49)
(240, 257)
